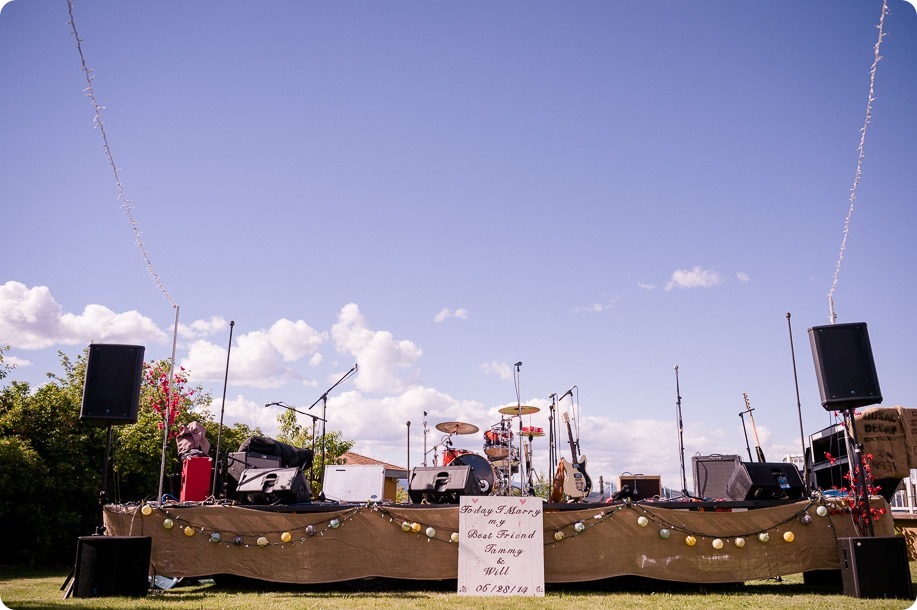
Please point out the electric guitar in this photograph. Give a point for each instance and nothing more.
(577, 483)
(758, 450)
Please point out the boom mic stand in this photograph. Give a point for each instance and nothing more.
(324, 400)
(314, 419)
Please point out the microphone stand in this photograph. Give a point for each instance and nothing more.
(552, 451)
(681, 432)
(324, 400)
(802, 434)
(517, 368)
(314, 419)
(425, 430)
(218, 462)
(745, 430)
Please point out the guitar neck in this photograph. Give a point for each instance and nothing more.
(570, 437)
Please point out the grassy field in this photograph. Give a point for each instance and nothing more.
(22, 588)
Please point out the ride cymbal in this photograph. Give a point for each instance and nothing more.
(456, 427)
(519, 410)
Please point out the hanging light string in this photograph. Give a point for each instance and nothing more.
(859, 168)
(122, 197)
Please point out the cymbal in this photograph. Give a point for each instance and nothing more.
(517, 410)
(456, 427)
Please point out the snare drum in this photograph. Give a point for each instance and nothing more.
(497, 442)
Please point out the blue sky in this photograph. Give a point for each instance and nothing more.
(601, 191)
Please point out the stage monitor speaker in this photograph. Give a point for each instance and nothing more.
(711, 474)
(442, 484)
(273, 486)
(875, 567)
(111, 391)
(844, 366)
(765, 481)
(112, 566)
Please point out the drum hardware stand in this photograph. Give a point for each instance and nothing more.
(745, 430)
(324, 400)
(516, 369)
(425, 430)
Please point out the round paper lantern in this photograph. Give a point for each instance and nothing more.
(821, 511)
(690, 540)
(286, 537)
(764, 537)
(558, 536)
(262, 541)
(739, 542)
(579, 526)
(642, 521)
(415, 527)
(806, 519)
(454, 537)
(789, 536)
(215, 537)
(147, 510)
(717, 543)
(237, 540)
(189, 531)
(310, 530)
(664, 533)
(406, 526)
(168, 523)
(430, 532)
(334, 523)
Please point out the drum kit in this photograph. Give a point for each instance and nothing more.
(502, 459)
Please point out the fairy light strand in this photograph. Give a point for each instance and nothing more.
(122, 196)
(859, 167)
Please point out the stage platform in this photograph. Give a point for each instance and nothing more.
(327, 543)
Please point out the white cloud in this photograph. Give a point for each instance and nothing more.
(16, 362)
(501, 369)
(646, 286)
(743, 277)
(243, 410)
(295, 340)
(445, 313)
(382, 358)
(698, 277)
(202, 328)
(30, 318)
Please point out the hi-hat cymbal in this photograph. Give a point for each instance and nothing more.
(519, 410)
(456, 427)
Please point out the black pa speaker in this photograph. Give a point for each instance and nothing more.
(875, 567)
(711, 474)
(765, 481)
(442, 484)
(844, 366)
(111, 391)
(112, 566)
(274, 486)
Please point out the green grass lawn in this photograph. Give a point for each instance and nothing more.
(25, 588)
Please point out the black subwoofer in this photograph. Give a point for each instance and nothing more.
(112, 566)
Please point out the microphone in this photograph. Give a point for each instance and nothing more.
(567, 393)
(518, 364)
(271, 404)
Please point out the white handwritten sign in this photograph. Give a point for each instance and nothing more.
(501, 546)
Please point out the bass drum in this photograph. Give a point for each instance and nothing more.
(480, 470)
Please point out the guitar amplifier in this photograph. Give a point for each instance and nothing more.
(711, 474)
(640, 486)
(240, 461)
(273, 486)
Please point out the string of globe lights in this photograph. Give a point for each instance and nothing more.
(406, 523)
